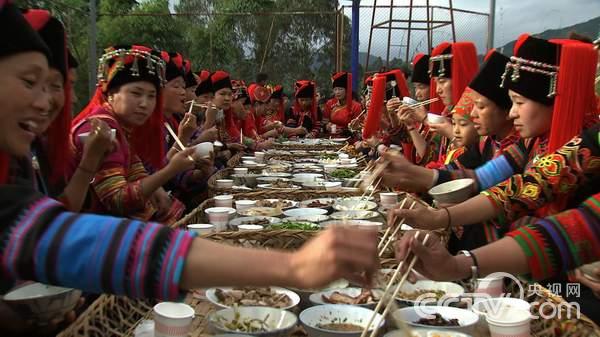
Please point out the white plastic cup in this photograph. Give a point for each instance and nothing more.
(224, 201)
(511, 322)
(218, 216)
(242, 205)
(243, 228)
(203, 150)
(333, 129)
(491, 285)
(172, 319)
(202, 228)
(388, 199)
(435, 119)
(240, 170)
(260, 157)
(224, 183)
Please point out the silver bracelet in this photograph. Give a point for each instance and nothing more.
(474, 267)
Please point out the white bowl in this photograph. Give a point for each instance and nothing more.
(309, 218)
(83, 136)
(41, 302)
(360, 223)
(202, 229)
(212, 297)
(246, 228)
(354, 215)
(354, 205)
(224, 183)
(435, 119)
(426, 333)
(337, 313)
(282, 321)
(307, 176)
(467, 319)
(204, 150)
(452, 290)
(296, 212)
(453, 192)
(322, 185)
(408, 100)
(260, 211)
(317, 298)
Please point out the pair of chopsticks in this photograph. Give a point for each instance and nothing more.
(179, 143)
(420, 104)
(193, 103)
(391, 298)
(385, 240)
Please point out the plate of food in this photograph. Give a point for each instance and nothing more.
(304, 212)
(280, 185)
(355, 205)
(331, 320)
(254, 321)
(354, 215)
(428, 289)
(295, 225)
(367, 298)
(343, 173)
(308, 218)
(440, 317)
(318, 203)
(277, 203)
(254, 220)
(261, 211)
(274, 297)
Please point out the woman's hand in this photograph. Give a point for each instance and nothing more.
(97, 145)
(444, 129)
(593, 285)
(161, 201)
(421, 217)
(433, 259)
(339, 252)
(406, 115)
(182, 161)
(187, 127)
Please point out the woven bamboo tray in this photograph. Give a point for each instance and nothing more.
(334, 147)
(235, 160)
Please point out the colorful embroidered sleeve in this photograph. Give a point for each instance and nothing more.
(513, 160)
(562, 242)
(550, 183)
(40, 241)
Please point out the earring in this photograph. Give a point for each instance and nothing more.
(110, 99)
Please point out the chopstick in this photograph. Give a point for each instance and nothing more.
(177, 140)
(420, 104)
(386, 293)
(398, 286)
(387, 231)
(372, 191)
(396, 230)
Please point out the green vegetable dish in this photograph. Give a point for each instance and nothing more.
(343, 173)
(329, 156)
(304, 226)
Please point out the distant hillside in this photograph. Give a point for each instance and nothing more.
(590, 28)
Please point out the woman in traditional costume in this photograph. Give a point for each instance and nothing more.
(341, 109)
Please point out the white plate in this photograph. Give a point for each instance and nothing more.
(360, 223)
(270, 187)
(317, 298)
(467, 319)
(451, 289)
(244, 220)
(354, 215)
(268, 211)
(328, 201)
(210, 295)
(309, 218)
(328, 313)
(339, 140)
(355, 205)
(304, 212)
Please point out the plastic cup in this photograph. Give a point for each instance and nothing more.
(242, 205)
(218, 216)
(510, 322)
(388, 199)
(260, 157)
(224, 201)
(491, 285)
(203, 150)
(202, 229)
(224, 183)
(240, 170)
(172, 319)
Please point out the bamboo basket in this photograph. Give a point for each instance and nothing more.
(334, 147)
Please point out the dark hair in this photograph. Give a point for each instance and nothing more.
(573, 35)
(261, 77)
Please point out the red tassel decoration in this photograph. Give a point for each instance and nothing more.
(373, 119)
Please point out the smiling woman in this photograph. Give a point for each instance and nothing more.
(129, 100)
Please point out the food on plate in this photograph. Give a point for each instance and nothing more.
(326, 156)
(260, 211)
(343, 173)
(438, 320)
(365, 296)
(275, 203)
(320, 203)
(262, 222)
(346, 327)
(304, 226)
(411, 296)
(282, 184)
(239, 324)
(250, 296)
